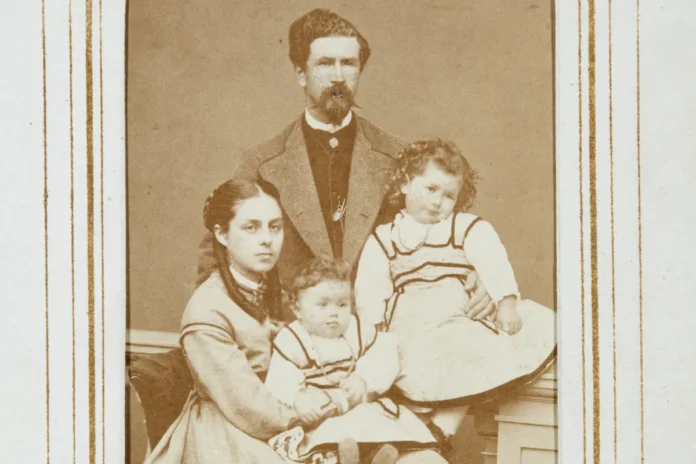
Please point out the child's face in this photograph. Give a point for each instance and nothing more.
(432, 195)
(324, 309)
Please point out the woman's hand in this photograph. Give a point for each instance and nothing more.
(508, 319)
(312, 406)
(480, 304)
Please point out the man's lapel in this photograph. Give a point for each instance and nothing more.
(292, 175)
(370, 170)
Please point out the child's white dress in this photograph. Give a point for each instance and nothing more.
(300, 360)
(411, 278)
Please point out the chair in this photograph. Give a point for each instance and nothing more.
(160, 383)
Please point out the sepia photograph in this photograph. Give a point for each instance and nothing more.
(347, 232)
(340, 232)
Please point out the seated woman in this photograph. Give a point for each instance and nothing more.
(226, 334)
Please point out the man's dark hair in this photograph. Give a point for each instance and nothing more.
(321, 23)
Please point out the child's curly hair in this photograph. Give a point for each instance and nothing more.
(413, 160)
(318, 270)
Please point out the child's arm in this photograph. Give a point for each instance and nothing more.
(486, 252)
(284, 380)
(379, 366)
(373, 283)
(287, 383)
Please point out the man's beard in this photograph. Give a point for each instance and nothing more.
(335, 102)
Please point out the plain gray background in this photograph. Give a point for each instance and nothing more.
(207, 79)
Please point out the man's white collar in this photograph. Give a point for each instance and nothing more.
(330, 128)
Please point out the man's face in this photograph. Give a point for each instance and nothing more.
(331, 77)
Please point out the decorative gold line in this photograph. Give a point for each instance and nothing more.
(594, 294)
(45, 205)
(613, 272)
(640, 237)
(582, 236)
(72, 227)
(101, 223)
(90, 228)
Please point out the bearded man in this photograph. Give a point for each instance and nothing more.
(330, 165)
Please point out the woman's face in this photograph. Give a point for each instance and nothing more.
(254, 236)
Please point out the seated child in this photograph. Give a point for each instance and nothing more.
(411, 281)
(332, 370)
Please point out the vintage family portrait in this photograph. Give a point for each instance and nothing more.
(340, 233)
(347, 232)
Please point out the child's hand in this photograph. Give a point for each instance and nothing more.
(356, 389)
(311, 406)
(508, 319)
(340, 399)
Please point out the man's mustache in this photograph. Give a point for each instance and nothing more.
(339, 90)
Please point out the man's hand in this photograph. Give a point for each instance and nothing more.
(355, 388)
(480, 304)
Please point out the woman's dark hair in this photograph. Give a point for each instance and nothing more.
(220, 208)
(413, 160)
(320, 23)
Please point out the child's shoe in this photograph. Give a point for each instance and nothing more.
(387, 454)
(348, 452)
(444, 443)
